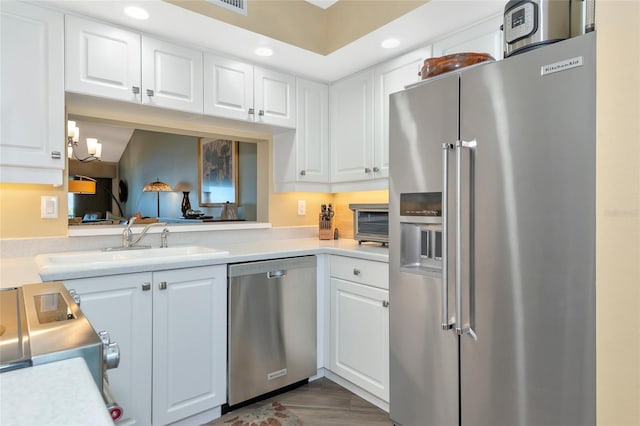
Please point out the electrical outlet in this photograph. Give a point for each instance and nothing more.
(48, 207)
(302, 207)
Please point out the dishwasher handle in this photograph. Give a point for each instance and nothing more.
(277, 274)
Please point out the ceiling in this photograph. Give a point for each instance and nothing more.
(324, 4)
(114, 139)
(414, 29)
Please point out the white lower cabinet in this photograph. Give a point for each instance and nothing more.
(189, 342)
(359, 324)
(171, 329)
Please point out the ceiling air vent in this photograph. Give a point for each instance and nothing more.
(238, 6)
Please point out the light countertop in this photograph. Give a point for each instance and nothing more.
(58, 393)
(23, 270)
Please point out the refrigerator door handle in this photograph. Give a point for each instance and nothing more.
(460, 145)
(444, 303)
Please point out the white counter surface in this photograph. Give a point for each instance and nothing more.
(58, 393)
(241, 252)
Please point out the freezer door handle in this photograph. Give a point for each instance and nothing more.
(460, 145)
(444, 302)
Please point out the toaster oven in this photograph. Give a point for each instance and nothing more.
(370, 222)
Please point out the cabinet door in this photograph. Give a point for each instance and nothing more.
(274, 98)
(392, 77)
(102, 60)
(118, 304)
(485, 37)
(351, 112)
(360, 335)
(228, 88)
(189, 342)
(171, 76)
(32, 96)
(312, 132)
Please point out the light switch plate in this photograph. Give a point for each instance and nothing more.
(48, 207)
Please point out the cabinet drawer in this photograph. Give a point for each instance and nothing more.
(362, 271)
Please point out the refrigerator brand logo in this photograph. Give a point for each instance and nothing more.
(561, 66)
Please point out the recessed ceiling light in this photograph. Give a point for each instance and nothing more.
(264, 51)
(136, 12)
(390, 43)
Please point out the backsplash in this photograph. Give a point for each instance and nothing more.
(343, 219)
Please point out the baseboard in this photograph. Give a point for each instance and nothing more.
(383, 405)
(200, 418)
(319, 375)
(215, 413)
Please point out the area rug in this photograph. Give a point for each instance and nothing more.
(271, 414)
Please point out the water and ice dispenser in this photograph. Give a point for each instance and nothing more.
(421, 232)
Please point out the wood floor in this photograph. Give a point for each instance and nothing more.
(323, 402)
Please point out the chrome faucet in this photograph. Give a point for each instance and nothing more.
(128, 240)
(163, 238)
(127, 235)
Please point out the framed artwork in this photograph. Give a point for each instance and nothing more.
(217, 171)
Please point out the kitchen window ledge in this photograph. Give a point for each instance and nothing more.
(96, 230)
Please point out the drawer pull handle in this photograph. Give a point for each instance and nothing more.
(146, 286)
(356, 271)
(385, 303)
(163, 285)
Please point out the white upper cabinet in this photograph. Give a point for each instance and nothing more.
(484, 37)
(171, 76)
(360, 119)
(106, 61)
(352, 154)
(102, 60)
(274, 98)
(228, 88)
(392, 77)
(32, 142)
(240, 91)
(301, 156)
(312, 135)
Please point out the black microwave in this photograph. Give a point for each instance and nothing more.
(370, 222)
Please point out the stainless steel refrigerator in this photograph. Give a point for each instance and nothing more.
(492, 243)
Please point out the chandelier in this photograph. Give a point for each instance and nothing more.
(94, 148)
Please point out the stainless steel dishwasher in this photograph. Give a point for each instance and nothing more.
(272, 326)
